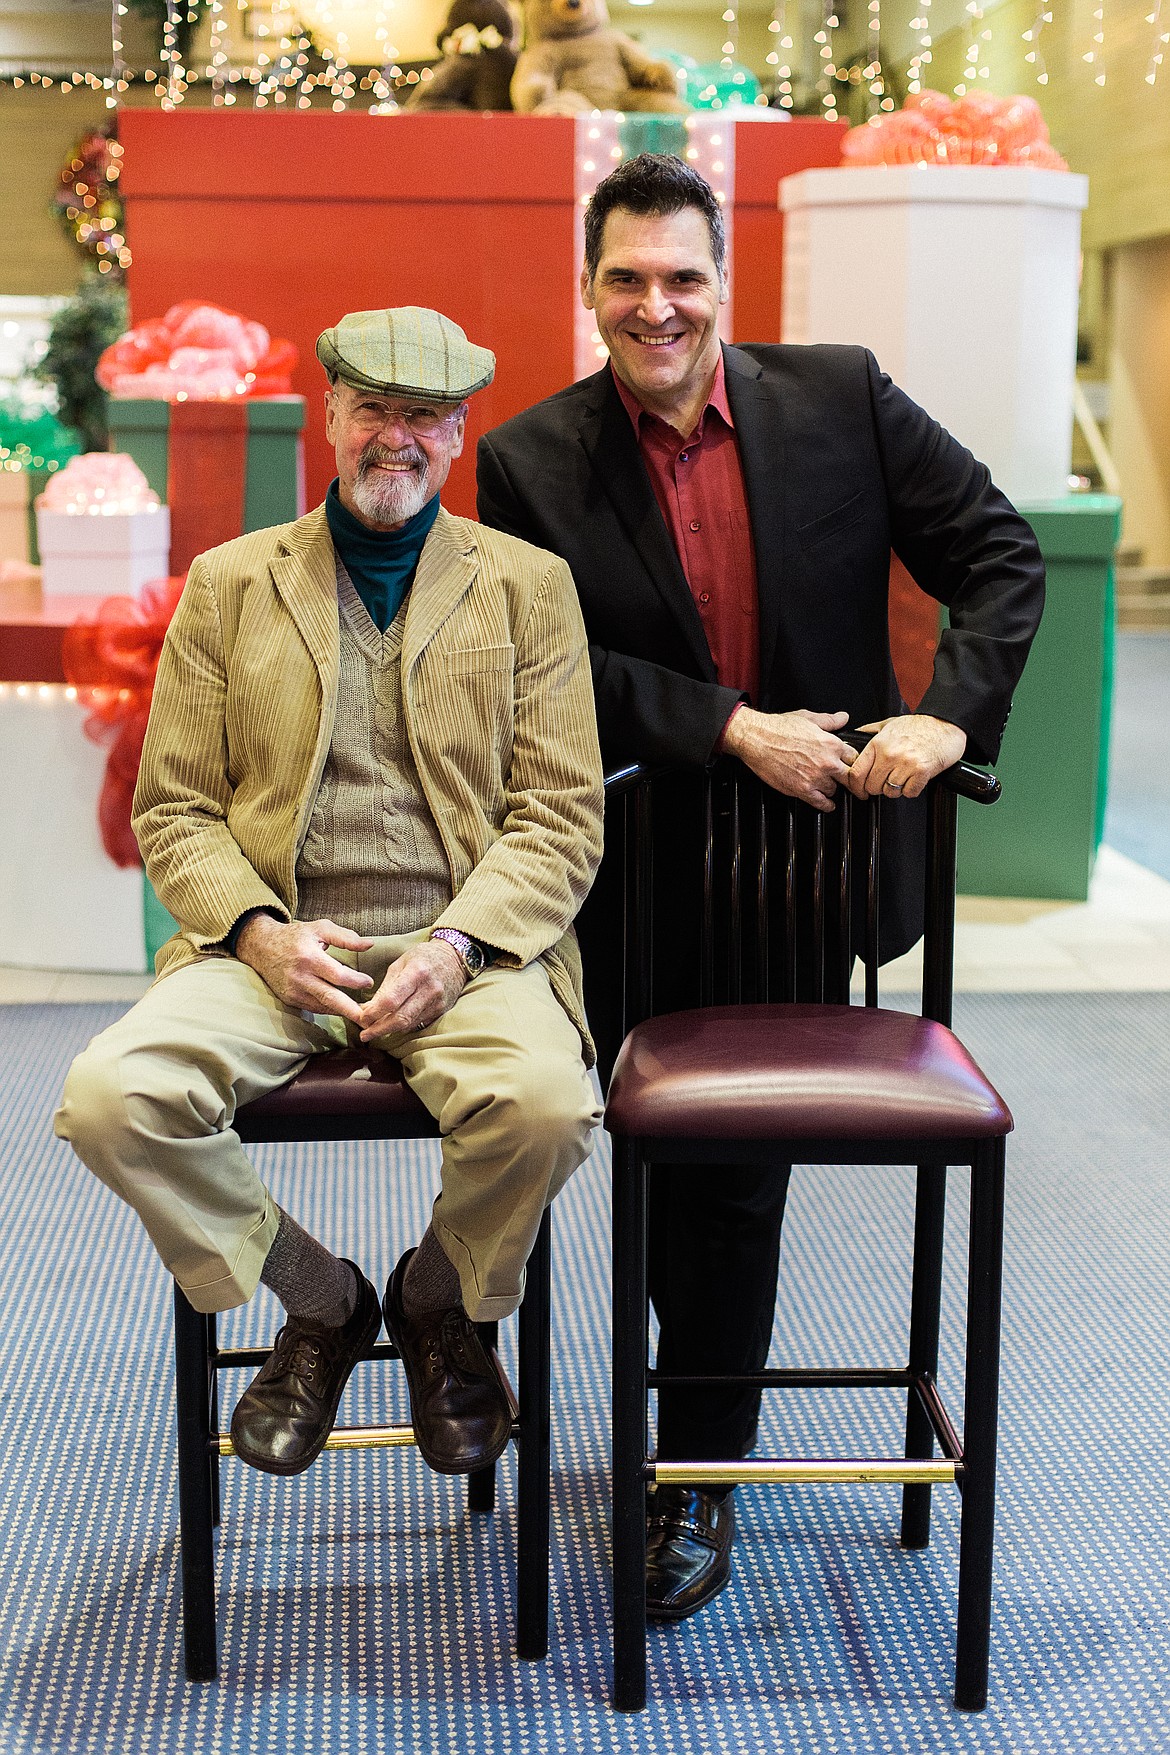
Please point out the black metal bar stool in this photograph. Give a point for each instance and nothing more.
(751, 1077)
(355, 1095)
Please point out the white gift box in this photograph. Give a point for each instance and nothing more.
(963, 281)
(64, 904)
(102, 554)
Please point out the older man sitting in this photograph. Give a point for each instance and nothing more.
(371, 797)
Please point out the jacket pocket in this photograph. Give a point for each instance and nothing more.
(831, 523)
(474, 660)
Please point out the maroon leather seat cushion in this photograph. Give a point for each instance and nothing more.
(799, 1071)
(347, 1085)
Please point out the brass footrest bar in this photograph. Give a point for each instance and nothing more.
(897, 1471)
(341, 1438)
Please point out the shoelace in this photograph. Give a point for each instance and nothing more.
(299, 1353)
(449, 1337)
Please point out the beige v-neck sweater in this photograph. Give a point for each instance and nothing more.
(372, 859)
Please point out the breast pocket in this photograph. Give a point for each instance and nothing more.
(478, 660)
(834, 522)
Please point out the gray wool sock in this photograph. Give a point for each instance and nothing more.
(431, 1282)
(313, 1284)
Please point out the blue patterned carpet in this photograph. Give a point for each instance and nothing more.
(362, 1611)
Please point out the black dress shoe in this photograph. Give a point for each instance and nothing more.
(287, 1411)
(688, 1550)
(462, 1421)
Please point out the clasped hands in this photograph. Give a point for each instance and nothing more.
(293, 959)
(800, 754)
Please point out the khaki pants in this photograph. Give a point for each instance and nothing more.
(149, 1108)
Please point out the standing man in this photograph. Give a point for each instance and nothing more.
(371, 796)
(728, 515)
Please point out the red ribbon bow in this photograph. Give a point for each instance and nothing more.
(112, 661)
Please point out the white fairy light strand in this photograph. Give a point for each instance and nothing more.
(1035, 55)
(117, 82)
(731, 42)
(922, 56)
(778, 57)
(872, 71)
(1095, 57)
(1161, 38)
(976, 65)
(218, 56)
(824, 37)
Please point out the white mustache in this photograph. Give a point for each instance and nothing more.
(373, 455)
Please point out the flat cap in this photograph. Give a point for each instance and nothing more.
(409, 350)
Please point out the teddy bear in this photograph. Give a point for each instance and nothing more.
(574, 61)
(479, 55)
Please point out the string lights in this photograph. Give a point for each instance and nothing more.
(287, 68)
(872, 72)
(975, 65)
(731, 44)
(778, 57)
(1035, 56)
(1161, 38)
(826, 84)
(1095, 57)
(922, 56)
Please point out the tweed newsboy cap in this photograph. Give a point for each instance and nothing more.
(409, 350)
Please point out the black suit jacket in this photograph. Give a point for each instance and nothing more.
(840, 467)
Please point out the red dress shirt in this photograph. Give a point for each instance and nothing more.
(698, 483)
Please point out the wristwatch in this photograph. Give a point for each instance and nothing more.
(471, 953)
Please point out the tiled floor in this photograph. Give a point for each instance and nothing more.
(1116, 942)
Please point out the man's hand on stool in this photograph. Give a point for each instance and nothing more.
(905, 754)
(795, 753)
(292, 958)
(419, 987)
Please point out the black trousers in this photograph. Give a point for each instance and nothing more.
(713, 1264)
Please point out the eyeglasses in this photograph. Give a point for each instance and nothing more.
(423, 419)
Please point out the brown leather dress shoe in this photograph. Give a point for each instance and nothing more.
(688, 1550)
(287, 1411)
(462, 1421)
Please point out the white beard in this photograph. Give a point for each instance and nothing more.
(383, 498)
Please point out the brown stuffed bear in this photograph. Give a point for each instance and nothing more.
(479, 55)
(574, 61)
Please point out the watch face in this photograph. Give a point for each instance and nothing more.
(474, 958)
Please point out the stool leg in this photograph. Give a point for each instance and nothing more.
(985, 1277)
(533, 1468)
(213, 1413)
(925, 1298)
(196, 1509)
(630, 1324)
(481, 1486)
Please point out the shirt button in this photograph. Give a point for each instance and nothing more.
(695, 524)
(683, 455)
(704, 597)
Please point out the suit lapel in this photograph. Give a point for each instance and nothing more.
(760, 429)
(610, 444)
(446, 569)
(305, 576)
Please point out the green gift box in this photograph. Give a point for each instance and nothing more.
(272, 462)
(1041, 839)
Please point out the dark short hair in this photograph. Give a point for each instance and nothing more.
(653, 183)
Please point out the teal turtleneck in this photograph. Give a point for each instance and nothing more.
(381, 563)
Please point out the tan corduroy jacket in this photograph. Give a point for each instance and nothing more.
(499, 711)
